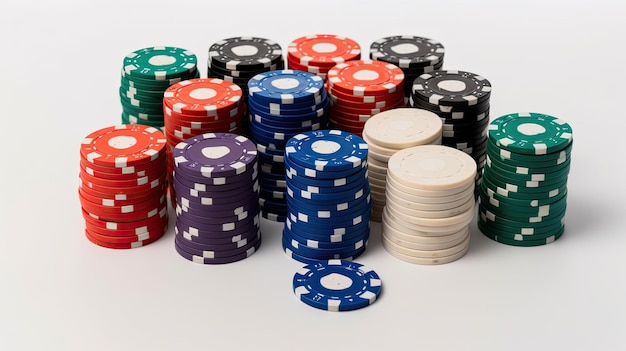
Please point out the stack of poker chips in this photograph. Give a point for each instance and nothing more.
(197, 106)
(240, 58)
(145, 76)
(217, 198)
(360, 89)
(388, 132)
(282, 104)
(523, 190)
(461, 99)
(122, 190)
(320, 52)
(329, 204)
(414, 55)
(430, 204)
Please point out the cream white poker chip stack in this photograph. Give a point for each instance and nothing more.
(388, 132)
(430, 204)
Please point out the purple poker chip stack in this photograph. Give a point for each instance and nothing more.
(217, 196)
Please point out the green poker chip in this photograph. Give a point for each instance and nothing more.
(522, 214)
(498, 198)
(530, 133)
(542, 231)
(533, 211)
(521, 187)
(514, 158)
(160, 63)
(531, 172)
(128, 119)
(546, 193)
(526, 242)
(492, 217)
(531, 180)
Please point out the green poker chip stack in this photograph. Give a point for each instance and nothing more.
(523, 191)
(146, 74)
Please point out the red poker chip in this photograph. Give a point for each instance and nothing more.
(220, 115)
(120, 239)
(139, 207)
(123, 146)
(360, 104)
(353, 130)
(202, 96)
(154, 184)
(130, 171)
(121, 246)
(174, 123)
(366, 77)
(349, 124)
(323, 50)
(157, 227)
(151, 223)
(295, 65)
(124, 218)
(103, 172)
(120, 195)
(367, 99)
(111, 201)
(123, 183)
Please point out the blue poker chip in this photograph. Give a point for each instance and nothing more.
(313, 174)
(303, 221)
(308, 260)
(334, 211)
(284, 129)
(285, 87)
(323, 254)
(287, 122)
(303, 184)
(295, 117)
(337, 285)
(345, 196)
(327, 150)
(268, 150)
(328, 183)
(329, 234)
(331, 242)
(278, 109)
(273, 183)
(270, 159)
(346, 247)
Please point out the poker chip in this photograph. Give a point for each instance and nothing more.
(122, 189)
(393, 130)
(238, 59)
(523, 190)
(327, 196)
(362, 88)
(146, 74)
(282, 104)
(337, 285)
(429, 197)
(216, 188)
(318, 53)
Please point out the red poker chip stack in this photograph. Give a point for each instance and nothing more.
(360, 89)
(123, 183)
(198, 106)
(320, 52)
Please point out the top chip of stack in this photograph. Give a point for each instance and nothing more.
(146, 74)
(523, 191)
(320, 52)
(414, 55)
(240, 58)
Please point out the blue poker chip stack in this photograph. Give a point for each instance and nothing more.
(282, 104)
(328, 196)
(215, 178)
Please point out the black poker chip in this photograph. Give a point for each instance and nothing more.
(451, 88)
(408, 51)
(245, 54)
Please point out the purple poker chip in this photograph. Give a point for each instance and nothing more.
(215, 218)
(217, 230)
(227, 246)
(197, 259)
(209, 214)
(200, 190)
(247, 176)
(214, 155)
(198, 185)
(216, 251)
(200, 237)
(207, 205)
(214, 198)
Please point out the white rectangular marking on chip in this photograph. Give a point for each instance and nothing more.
(228, 226)
(541, 149)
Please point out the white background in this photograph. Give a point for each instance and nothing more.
(60, 66)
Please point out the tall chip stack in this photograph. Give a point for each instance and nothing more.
(328, 202)
(282, 104)
(122, 189)
(414, 55)
(197, 106)
(360, 89)
(320, 52)
(217, 211)
(523, 192)
(430, 204)
(389, 132)
(146, 74)
(461, 99)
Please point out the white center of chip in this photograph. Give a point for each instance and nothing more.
(432, 164)
(401, 125)
(122, 142)
(325, 147)
(324, 47)
(285, 83)
(215, 152)
(203, 93)
(405, 48)
(245, 50)
(162, 60)
(452, 85)
(366, 74)
(336, 281)
(531, 129)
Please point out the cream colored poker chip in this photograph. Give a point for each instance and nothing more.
(403, 127)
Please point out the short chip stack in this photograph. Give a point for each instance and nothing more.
(320, 52)
(430, 204)
(145, 76)
(523, 191)
(362, 88)
(282, 104)
(461, 99)
(414, 55)
(217, 198)
(328, 201)
(388, 132)
(240, 58)
(122, 191)
(197, 106)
